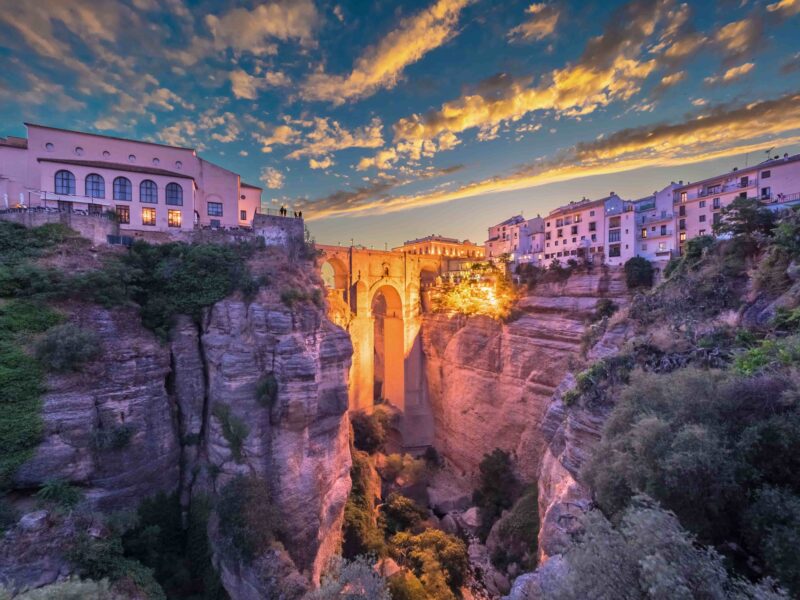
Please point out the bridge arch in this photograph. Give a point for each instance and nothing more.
(389, 345)
(334, 273)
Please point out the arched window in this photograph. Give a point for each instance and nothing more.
(174, 194)
(123, 190)
(148, 192)
(95, 186)
(65, 183)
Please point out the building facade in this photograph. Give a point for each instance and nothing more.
(519, 238)
(438, 245)
(150, 187)
(697, 206)
(655, 226)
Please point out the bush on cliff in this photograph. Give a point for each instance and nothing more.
(733, 437)
(353, 579)
(362, 535)
(439, 560)
(67, 347)
(648, 555)
(638, 273)
(399, 513)
(247, 518)
(497, 489)
(369, 430)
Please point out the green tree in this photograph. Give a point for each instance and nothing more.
(638, 273)
(496, 490)
(745, 216)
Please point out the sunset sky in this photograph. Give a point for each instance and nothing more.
(389, 120)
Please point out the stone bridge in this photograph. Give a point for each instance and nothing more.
(377, 297)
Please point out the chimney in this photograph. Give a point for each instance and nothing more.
(735, 168)
(785, 155)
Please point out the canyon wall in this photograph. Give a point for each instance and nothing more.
(146, 418)
(491, 384)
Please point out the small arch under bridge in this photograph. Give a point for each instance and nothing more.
(377, 297)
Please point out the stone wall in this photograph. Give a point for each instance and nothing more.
(96, 228)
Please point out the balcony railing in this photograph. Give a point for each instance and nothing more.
(645, 219)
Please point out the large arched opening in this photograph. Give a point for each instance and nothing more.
(334, 274)
(388, 358)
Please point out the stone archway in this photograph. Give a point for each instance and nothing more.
(389, 345)
(334, 274)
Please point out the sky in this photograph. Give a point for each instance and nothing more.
(387, 120)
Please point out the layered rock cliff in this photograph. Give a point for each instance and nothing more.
(492, 384)
(151, 416)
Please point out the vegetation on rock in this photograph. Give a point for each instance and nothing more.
(496, 489)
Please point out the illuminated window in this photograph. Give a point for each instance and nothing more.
(644, 232)
(149, 216)
(683, 236)
(148, 192)
(683, 196)
(123, 214)
(174, 218)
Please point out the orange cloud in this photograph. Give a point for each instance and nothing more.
(713, 134)
(541, 24)
(731, 74)
(382, 66)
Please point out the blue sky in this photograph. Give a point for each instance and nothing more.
(386, 121)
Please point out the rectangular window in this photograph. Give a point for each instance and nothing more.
(594, 237)
(124, 214)
(591, 213)
(765, 174)
(702, 203)
(683, 197)
(174, 218)
(644, 232)
(766, 193)
(215, 209)
(243, 215)
(702, 232)
(592, 226)
(682, 211)
(576, 218)
(615, 222)
(614, 251)
(743, 182)
(717, 218)
(682, 236)
(614, 235)
(715, 203)
(644, 247)
(560, 233)
(663, 230)
(574, 230)
(149, 216)
(662, 246)
(702, 218)
(559, 222)
(682, 224)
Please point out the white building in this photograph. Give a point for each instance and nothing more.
(655, 226)
(151, 187)
(521, 239)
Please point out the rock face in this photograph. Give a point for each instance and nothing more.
(110, 429)
(154, 416)
(491, 384)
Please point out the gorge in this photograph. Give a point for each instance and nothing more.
(231, 403)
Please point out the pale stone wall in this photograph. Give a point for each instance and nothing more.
(96, 228)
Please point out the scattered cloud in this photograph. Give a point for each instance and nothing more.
(323, 163)
(338, 13)
(279, 135)
(277, 79)
(792, 64)
(272, 178)
(740, 39)
(541, 23)
(786, 8)
(243, 85)
(721, 132)
(381, 66)
(329, 136)
(254, 31)
(730, 75)
(381, 161)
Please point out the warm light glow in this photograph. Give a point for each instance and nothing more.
(486, 291)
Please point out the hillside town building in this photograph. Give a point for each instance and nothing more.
(149, 186)
(612, 230)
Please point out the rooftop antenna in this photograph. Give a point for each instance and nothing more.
(768, 152)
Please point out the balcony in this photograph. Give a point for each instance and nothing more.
(645, 220)
(655, 234)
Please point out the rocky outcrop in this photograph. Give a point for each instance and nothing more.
(491, 384)
(191, 414)
(299, 443)
(110, 428)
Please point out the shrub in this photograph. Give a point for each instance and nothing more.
(361, 532)
(369, 430)
(292, 296)
(112, 438)
(399, 513)
(267, 390)
(604, 308)
(770, 277)
(519, 531)
(649, 555)
(67, 347)
(60, 493)
(696, 247)
(638, 273)
(592, 384)
(406, 586)
(234, 429)
(769, 354)
(496, 488)
(435, 557)
(247, 518)
(404, 466)
(8, 516)
(352, 579)
(19, 316)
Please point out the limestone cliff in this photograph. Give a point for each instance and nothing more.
(156, 401)
(492, 384)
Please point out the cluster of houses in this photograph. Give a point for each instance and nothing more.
(612, 230)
